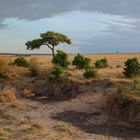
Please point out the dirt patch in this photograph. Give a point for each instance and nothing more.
(93, 123)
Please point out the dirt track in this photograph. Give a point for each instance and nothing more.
(81, 118)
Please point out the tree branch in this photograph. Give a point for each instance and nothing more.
(49, 46)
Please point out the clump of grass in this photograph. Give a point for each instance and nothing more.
(57, 88)
(27, 93)
(124, 104)
(5, 67)
(3, 134)
(118, 66)
(37, 126)
(8, 95)
(7, 116)
(24, 120)
(63, 129)
(32, 129)
(34, 67)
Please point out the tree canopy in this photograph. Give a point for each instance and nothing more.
(50, 39)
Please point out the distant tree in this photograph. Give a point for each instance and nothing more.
(50, 39)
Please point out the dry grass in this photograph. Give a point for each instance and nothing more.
(34, 67)
(27, 93)
(112, 71)
(5, 68)
(125, 105)
(27, 85)
(8, 95)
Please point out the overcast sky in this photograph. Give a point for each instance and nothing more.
(95, 26)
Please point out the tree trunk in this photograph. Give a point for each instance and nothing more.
(53, 53)
(52, 49)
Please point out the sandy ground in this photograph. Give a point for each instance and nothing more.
(81, 118)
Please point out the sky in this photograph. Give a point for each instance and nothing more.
(94, 26)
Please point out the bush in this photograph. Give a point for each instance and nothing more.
(90, 73)
(34, 67)
(102, 63)
(132, 68)
(21, 62)
(81, 62)
(57, 71)
(5, 68)
(61, 59)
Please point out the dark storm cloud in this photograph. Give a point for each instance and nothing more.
(36, 9)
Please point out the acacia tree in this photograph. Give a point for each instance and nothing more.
(50, 39)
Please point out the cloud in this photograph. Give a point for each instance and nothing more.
(116, 39)
(36, 9)
(120, 32)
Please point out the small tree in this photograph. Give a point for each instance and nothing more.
(81, 62)
(50, 39)
(132, 67)
(61, 59)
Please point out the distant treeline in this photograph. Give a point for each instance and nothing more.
(18, 54)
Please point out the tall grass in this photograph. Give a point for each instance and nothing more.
(5, 67)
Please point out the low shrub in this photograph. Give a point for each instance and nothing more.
(132, 68)
(5, 68)
(90, 73)
(81, 62)
(102, 63)
(34, 67)
(57, 71)
(61, 59)
(21, 62)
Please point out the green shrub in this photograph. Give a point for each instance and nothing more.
(102, 63)
(90, 73)
(81, 62)
(21, 62)
(34, 67)
(61, 59)
(57, 71)
(132, 68)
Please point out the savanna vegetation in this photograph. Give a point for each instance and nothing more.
(72, 89)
